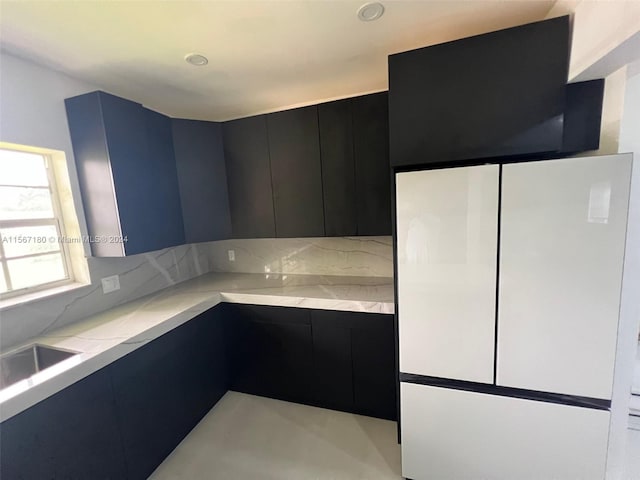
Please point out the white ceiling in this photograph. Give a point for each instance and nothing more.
(263, 55)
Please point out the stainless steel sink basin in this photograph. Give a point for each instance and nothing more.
(21, 364)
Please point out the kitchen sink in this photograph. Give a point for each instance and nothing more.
(21, 364)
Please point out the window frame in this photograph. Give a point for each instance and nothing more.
(56, 221)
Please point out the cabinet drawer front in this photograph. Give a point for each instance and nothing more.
(447, 248)
(562, 243)
(458, 435)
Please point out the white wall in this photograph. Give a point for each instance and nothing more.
(32, 111)
(599, 27)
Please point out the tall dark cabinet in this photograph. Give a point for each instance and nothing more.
(338, 168)
(373, 170)
(162, 177)
(294, 149)
(246, 151)
(356, 178)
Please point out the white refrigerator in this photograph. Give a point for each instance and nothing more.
(509, 285)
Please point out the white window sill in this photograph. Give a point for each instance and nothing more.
(39, 295)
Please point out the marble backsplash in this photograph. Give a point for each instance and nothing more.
(358, 256)
(140, 275)
(143, 274)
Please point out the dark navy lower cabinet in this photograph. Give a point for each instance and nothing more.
(164, 388)
(354, 356)
(270, 351)
(72, 435)
(124, 420)
(332, 367)
(338, 360)
(373, 358)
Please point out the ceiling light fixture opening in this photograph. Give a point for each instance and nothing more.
(196, 59)
(370, 11)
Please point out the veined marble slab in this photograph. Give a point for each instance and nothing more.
(357, 256)
(105, 337)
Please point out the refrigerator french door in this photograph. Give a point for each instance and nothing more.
(509, 280)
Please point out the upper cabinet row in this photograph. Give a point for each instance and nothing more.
(325, 170)
(311, 171)
(155, 182)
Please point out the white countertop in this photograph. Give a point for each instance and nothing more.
(110, 335)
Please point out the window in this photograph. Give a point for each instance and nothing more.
(32, 253)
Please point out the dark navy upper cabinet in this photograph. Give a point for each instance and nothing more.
(246, 152)
(356, 178)
(372, 166)
(296, 173)
(338, 168)
(126, 168)
(202, 177)
(163, 181)
(494, 95)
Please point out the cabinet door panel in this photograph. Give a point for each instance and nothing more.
(270, 351)
(165, 387)
(167, 208)
(447, 248)
(562, 244)
(87, 131)
(294, 149)
(246, 151)
(150, 402)
(374, 370)
(332, 361)
(458, 435)
(338, 168)
(203, 180)
(373, 172)
(70, 435)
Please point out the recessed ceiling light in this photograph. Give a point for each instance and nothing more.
(196, 59)
(370, 11)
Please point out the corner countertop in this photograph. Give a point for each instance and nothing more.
(107, 336)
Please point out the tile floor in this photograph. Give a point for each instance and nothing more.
(246, 437)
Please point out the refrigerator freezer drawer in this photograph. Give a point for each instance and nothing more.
(458, 435)
(447, 254)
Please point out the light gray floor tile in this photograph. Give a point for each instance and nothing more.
(246, 437)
